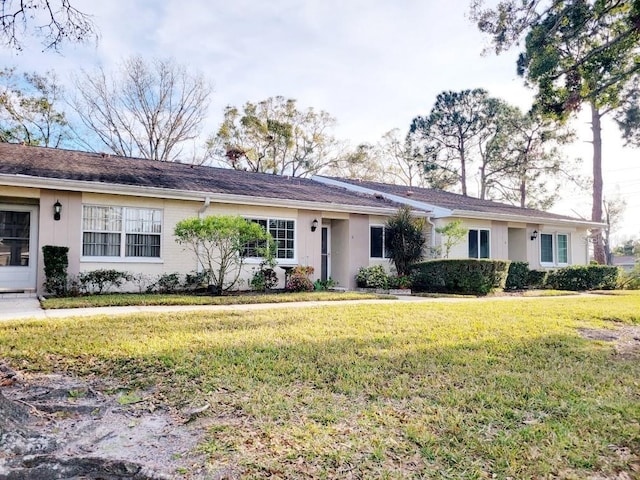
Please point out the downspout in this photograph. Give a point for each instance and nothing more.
(207, 202)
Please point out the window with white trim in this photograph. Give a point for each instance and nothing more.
(479, 243)
(378, 242)
(124, 232)
(554, 249)
(284, 235)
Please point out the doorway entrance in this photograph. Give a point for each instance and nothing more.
(325, 265)
(18, 249)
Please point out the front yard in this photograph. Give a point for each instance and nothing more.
(529, 388)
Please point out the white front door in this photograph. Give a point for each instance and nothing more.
(18, 246)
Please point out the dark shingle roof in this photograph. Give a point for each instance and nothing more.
(61, 164)
(454, 201)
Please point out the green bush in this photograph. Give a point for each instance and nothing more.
(372, 277)
(299, 280)
(194, 281)
(584, 277)
(630, 280)
(101, 280)
(469, 276)
(56, 261)
(264, 279)
(517, 276)
(537, 278)
(166, 283)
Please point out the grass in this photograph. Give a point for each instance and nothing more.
(119, 299)
(469, 390)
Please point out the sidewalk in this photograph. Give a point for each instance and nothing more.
(25, 307)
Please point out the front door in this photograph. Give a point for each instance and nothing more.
(18, 262)
(325, 266)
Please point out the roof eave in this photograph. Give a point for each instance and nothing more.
(189, 195)
(505, 217)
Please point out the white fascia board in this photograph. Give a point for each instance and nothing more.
(526, 219)
(434, 210)
(156, 192)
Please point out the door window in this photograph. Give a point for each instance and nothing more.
(14, 238)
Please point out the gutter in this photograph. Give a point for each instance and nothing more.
(506, 217)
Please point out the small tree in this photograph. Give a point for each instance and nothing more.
(218, 242)
(405, 240)
(453, 233)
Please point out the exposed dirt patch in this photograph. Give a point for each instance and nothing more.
(626, 338)
(58, 427)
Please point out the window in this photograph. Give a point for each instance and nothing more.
(554, 249)
(379, 241)
(121, 232)
(283, 233)
(479, 243)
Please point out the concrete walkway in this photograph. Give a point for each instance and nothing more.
(16, 308)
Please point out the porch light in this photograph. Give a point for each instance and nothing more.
(314, 225)
(534, 234)
(57, 209)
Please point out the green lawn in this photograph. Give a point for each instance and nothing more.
(119, 299)
(469, 390)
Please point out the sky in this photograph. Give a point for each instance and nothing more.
(372, 64)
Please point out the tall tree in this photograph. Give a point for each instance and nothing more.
(56, 21)
(275, 136)
(400, 164)
(576, 52)
(29, 109)
(446, 138)
(524, 158)
(146, 109)
(613, 211)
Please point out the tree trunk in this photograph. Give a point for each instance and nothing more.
(596, 208)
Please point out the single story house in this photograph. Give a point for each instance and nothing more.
(120, 213)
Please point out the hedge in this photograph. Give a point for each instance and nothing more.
(517, 276)
(468, 276)
(56, 261)
(584, 277)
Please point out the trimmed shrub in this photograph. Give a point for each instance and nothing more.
(56, 261)
(469, 276)
(166, 283)
(517, 276)
(299, 280)
(584, 277)
(372, 277)
(537, 278)
(101, 281)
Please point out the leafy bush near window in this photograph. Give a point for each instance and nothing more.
(166, 283)
(372, 277)
(323, 285)
(584, 277)
(100, 281)
(299, 280)
(263, 279)
(56, 261)
(518, 276)
(195, 280)
(467, 276)
(219, 242)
